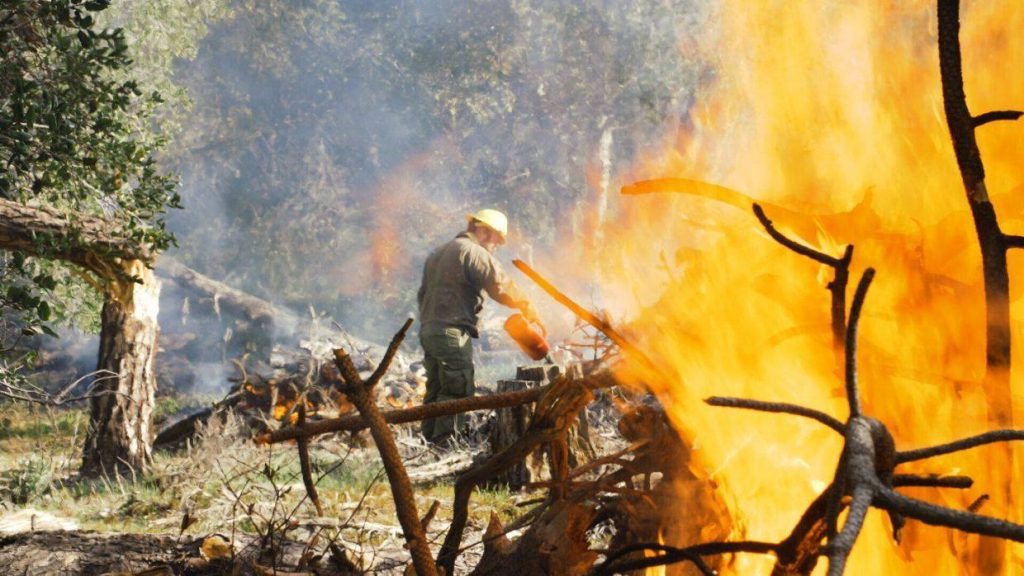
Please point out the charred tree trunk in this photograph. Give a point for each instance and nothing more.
(120, 415)
(991, 557)
(990, 236)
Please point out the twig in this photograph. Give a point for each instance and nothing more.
(958, 445)
(780, 407)
(429, 516)
(36, 395)
(1013, 241)
(916, 480)
(852, 390)
(840, 273)
(672, 555)
(793, 245)
(995, 115)
(304, 465)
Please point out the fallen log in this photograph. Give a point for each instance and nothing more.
(251, 307)
(354, 423)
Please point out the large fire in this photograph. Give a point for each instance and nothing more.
(832, 110)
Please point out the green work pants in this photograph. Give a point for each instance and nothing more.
(448, 359)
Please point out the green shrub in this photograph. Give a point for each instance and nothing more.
(31, 478)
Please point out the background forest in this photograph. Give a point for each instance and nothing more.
(328, 146)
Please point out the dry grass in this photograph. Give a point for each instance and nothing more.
(226, 484)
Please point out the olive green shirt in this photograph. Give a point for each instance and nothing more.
(455, 278)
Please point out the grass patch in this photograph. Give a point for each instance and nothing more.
(227, 483)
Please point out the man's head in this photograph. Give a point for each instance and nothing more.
(490, 227)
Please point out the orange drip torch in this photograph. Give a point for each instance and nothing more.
(533, 343)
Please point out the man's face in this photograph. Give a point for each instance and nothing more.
(489, 238)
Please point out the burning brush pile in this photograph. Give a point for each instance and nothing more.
(832, 161)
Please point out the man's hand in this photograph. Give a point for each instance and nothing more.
(530, 313)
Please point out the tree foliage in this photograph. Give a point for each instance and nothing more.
(74, 137)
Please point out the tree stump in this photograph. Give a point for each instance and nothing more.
(511, 423)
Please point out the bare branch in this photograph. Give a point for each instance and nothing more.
(958, 445)
(354, 423)
(793, 245)
(940, 516)
(401, 488)
(995, 115)
(839, 548)
(36, 395)
(779, 407)
(1012, 241)
(389, 356)
(852, 391)
(672, 555)
(304, 464)
(932, 481)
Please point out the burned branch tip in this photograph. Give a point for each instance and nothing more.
(994, 116)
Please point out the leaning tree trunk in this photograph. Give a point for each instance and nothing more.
(121, 413)
(121, 410)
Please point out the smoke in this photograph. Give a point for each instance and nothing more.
(334, 144)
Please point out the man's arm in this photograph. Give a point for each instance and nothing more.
(485, 271)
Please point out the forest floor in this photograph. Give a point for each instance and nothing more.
(227, 485)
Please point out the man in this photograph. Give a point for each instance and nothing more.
(451, 296)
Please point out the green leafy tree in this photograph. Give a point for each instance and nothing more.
(80, 193)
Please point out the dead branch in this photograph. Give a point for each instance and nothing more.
(429, 516)
(354, 423)
(931, 481)
(728, 402)
(995, 115)
(852, 389)
(554, 413)
(804, 224)
(359, 393)
(253, 307)
(840, 273)
(672, 555)
(990, 237)
(589, 317)
(865, 472)
(958, 445)
(1013, 241)
(992, 243)
(304, 464)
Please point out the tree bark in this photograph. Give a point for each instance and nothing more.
(120, 416)
(990, 236)
(991, 556)
(86, 240)
(119, 436)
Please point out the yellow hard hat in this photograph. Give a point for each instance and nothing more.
(491, 218)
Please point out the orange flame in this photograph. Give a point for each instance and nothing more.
(831, 114)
